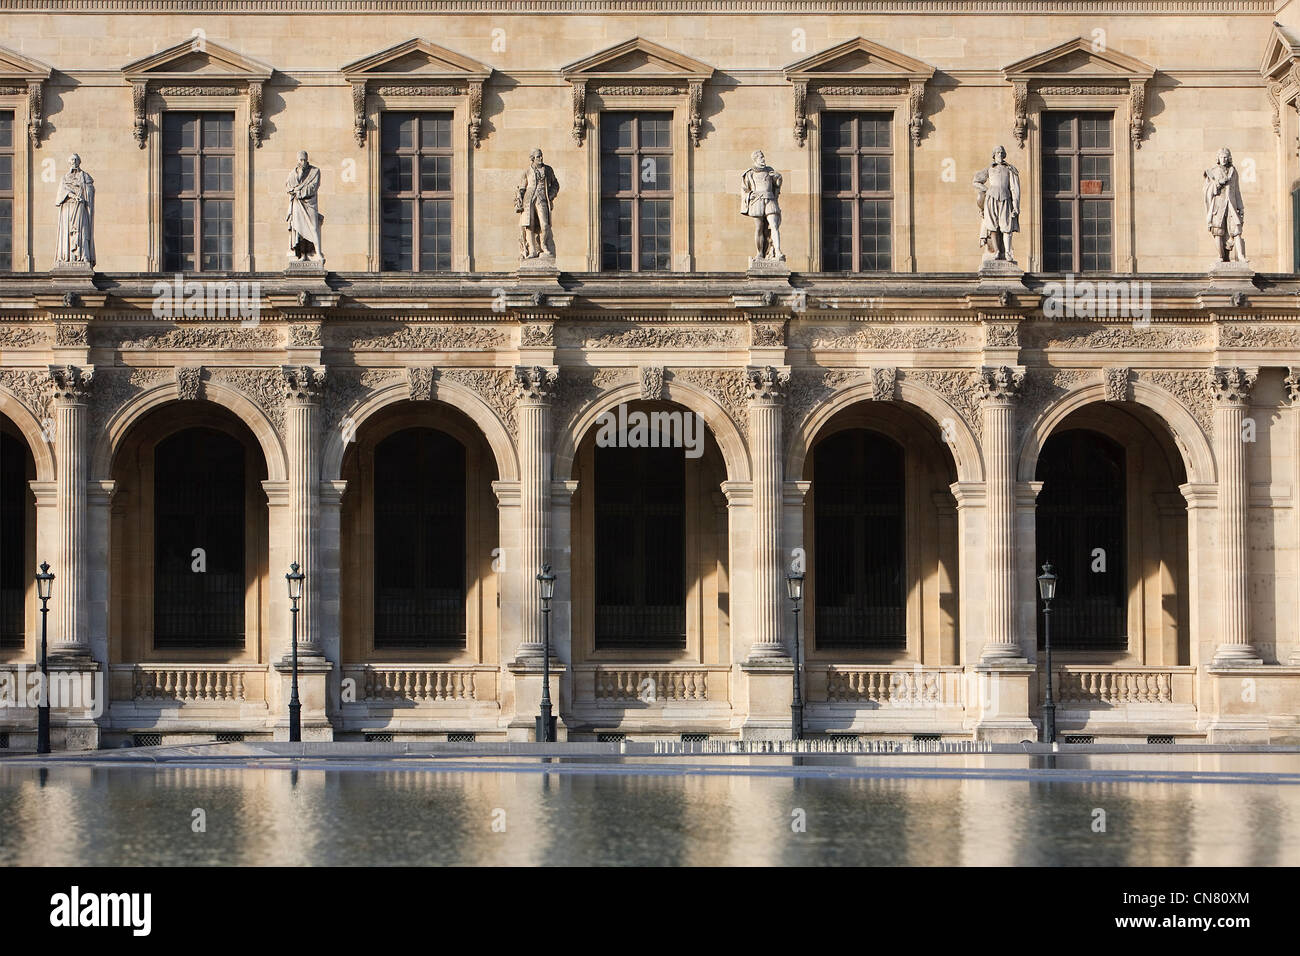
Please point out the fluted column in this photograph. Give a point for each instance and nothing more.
(766, 401)
(70, 392)
(1230, 389)
(303, 387)
(534, 388)
(998, 390)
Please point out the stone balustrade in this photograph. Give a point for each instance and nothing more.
(1118, 686)
(651, 685)
(188, 685)
(378, 682)
(894, 686)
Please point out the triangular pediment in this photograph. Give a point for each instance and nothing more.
(1079, 59)
(196, 58)
(859, 58)
(14, 65)
(1280, 52)
(417, 59)
(639, 58)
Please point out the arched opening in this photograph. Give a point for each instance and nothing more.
(17, 538)
(1111, 520)
(649, 539)
(419, 540)
(189, 540)
(880, 534)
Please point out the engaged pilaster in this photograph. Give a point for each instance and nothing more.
(998, 389)
(303, 386)
(1230, 388)
(766, 398)
(70, 392)
(534, 389)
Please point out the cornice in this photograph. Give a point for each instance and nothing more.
(1177, 8)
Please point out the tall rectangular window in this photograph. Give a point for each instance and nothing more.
(198, 192)
(1078, 193)
(636, 192)
(6, 192)
(857, 192)
(415, 191)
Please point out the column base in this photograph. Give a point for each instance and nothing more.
(1237, 655)
(313, 682)
(999, 654)
(771, 689)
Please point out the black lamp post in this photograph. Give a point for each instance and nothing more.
(794, 585)
(1047, 591)
(44, 585)
(545, 722)
(294, 578)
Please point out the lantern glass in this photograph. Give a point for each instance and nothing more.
(1047, 583)
(794, 585)
(546, 583)
(294, 580)
(44, 582)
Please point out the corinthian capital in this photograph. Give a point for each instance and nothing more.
(535, 383)
(303, 383)
(766, 383)
(1000, 384)
(70, 383)
(1230, 386)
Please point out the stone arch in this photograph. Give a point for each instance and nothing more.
(25, 420)
(963, 448)
(446, 391)
(119, 424)
(735, 453)
(1192, 443)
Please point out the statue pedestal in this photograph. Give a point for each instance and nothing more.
(993, 267)
(768, 267)
(308, 267)
(1233, 269)
(73, 270)
(541, 266)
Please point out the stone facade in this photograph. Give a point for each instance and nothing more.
(1193, 372)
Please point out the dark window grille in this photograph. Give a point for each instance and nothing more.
(198, 192)
(1080, 739)
(199, 503)
(860, 580)
(146, 740)
(1081, 508)
(857, 192)
(695, 738)
(419, 540)
(636, 194)
(13, 540)
(610, 738)
(1078, 192)
(4, 740)
(230, 738)
(463, 738)
(1160, 739)
(415, 191)
(641, 548)
(6, 192)
(381, 738)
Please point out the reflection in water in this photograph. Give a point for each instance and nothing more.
(77, 815)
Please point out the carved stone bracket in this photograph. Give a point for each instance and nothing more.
(420, 381)
(535, 383)
(255, 113)
(652, 382)
(359, 111)
(35, 110)
(695, 107)
(1116, 381)
(579, 111)
(140, 124)
(800, 111)
(1230, 386)
(189, 382)
(999, 384)
(1137, 105)
(884, 384)
(1020, 94)
(302, 383)
(916, 110)
(70, 383)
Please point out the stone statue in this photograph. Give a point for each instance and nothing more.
(760, 192)
(534, 200)
(998, 199)
(303, 217)
(76, 202)
(1224, 211)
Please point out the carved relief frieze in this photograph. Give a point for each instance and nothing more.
(1052, 336)
(652, 383)
(766, 333)
(955, 387)
(23, 336)
(346, 388)
(1250, 336)
(29, 386)
(1043, 388)
(305, 335)
(1001, 335)
(729, 387)
(811, 387)
(496, 386)
(191, 337)
(651, 336)
(1116, 381)
(420, 382)
(1188, 386)
(437, 337)
(536, 334)
(265, 387)
(880, 337)
(71, 335)
(116, 386)
(189, 382)
(579, 387)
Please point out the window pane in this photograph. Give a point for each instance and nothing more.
(837, 173)
(1094, 131)
(616, 130)
(1058, 174)
(6, 174)
(178, 235)
(837, 235)
(6, 234)
(397, 131)
(398, 235)
(656, 131)
(1058, 235)
(1095, 169)
(180, 131)
(873, 174)
(1095, 236)
(838, 130)
(656, 173)
(656, 234)
(874, 236)
(435, 174)
(435, 235)
(616, 234)
(218, 174)
(873, 131)
(6, 130)
(218, 236)
(435, 132)
(1058, 130)
(13, 538)
(218, 131)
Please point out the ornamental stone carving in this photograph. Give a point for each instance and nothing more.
(265, 387)
(29, 386)
(116, 386)
(653, 337)
(1188, 387)
(535, 383)
(189, 382)
(729, 387)
(192, 337)
(496, 386)
(652, 383)
(766, 383)
(70, 383)
(23, 337)
(999, 335)
(306, 335)
(884, 382)
(998, 384)
(1044, 388)
(1231, 386)
(1115, 337)
(302, 383)
(435, 337)
(954, 387)
(347, 388)
(766, 334)
(809, 388)
(537, 335)
(421, 383)
(71, 335)
(1251, 336)
(1292, 384)
(880, 337)
(580, 387)
(1116, 381)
